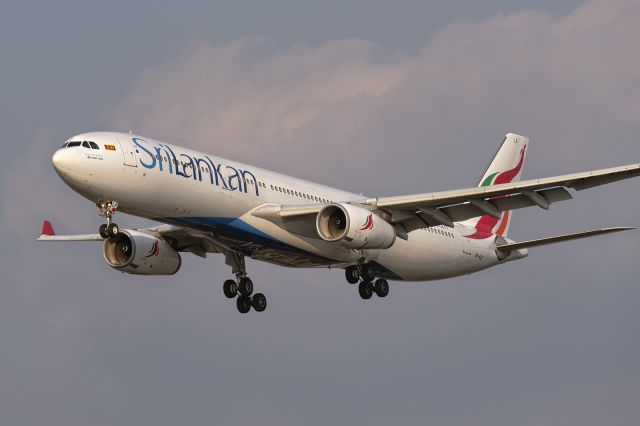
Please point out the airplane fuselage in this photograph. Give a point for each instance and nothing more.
(178, 186)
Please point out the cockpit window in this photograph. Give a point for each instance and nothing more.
(72, 144)
(94, 145)
(86, 144)
(63, 145)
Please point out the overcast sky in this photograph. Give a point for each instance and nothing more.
(385, 98)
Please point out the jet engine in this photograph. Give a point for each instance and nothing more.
(139, 253)
(354, 227)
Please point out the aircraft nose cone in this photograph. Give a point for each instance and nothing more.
(61, 160)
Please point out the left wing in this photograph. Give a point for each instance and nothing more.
(445, 208)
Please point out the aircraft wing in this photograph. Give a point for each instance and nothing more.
(444, 208)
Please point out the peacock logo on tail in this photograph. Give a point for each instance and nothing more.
(486, 224)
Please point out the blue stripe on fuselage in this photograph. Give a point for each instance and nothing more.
(243, 237)
(246, 239)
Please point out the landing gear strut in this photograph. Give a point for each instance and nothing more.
(107, 209)
(242, 287)
(367, 286)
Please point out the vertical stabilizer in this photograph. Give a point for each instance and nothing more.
(506, 167)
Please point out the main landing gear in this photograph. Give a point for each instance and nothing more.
(367, 287)
(107, 209)
(242, 288)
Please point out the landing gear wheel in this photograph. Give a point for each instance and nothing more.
(112, 229)
(259, 302)
(103, 231)
(368, 272)
(382, 288)
(245, 286)
(366, 290)
(353, 274)
(243, 304)
(230, 289)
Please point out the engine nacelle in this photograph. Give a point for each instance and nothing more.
(138, 253)
(354, 227)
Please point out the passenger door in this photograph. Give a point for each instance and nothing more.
(128, 152)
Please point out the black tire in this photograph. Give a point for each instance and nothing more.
(352, 274)
(366, 290)
(245, 286)
(103, 231)
(112, 229)
(230, 289)
(382, 288)
(243, 304)
(367, 272)
(259, 302)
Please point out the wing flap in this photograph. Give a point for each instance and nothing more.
(428, 216)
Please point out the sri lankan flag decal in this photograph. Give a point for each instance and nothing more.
(110, 147)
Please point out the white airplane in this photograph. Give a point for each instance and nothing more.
(208, 204)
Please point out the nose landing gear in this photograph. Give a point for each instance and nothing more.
(107, 209)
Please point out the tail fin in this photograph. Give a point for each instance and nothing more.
(506, 167)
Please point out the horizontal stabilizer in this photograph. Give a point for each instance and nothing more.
(559, 239)
(48, 234)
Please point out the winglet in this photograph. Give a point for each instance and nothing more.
(47, 228)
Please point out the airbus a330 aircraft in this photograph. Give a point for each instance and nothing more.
(208, 204)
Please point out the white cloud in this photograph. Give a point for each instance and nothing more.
(247, 95)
